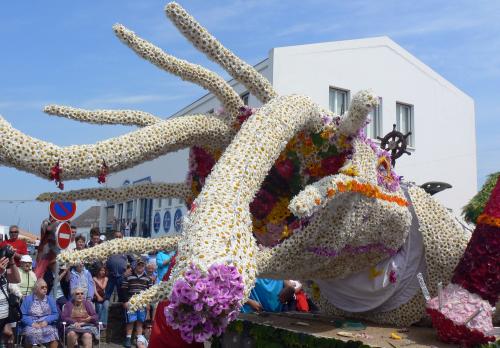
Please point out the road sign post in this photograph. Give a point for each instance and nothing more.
(63, 233)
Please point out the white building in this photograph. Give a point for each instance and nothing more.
(412, 95)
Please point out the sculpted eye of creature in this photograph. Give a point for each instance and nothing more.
(321, 200)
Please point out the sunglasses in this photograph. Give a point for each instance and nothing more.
(13, 232)
(78, 293)
(43, 287)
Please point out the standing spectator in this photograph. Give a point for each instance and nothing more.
(118, 266)
(8, 273)
(163, 261)
(151, 272)
(79, 242)
(28, 277)
(95, 237)
(72, 244)
(132, 285)
(19, 246)
(81, 278)
(133, 227)
(60, 289)
(126, 229)
(40, 315)
(81, 318)
(101, 304)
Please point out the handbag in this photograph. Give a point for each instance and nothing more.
(15, 313)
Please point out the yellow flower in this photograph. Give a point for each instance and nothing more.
(374, 273)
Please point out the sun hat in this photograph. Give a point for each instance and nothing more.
(26, 258)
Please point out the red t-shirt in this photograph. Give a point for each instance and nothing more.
(19, 247)
(162, 335)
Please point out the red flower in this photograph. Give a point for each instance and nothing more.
(392, 277)
(331, 165)
(262, 204)
(285, 169)
(204, 161)
(449, 332)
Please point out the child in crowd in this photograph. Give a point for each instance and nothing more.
(132, 285)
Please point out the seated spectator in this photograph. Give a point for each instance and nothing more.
(81, 319)
(40, 316)
(268, 295)
(142, 340)
(101, 304)
(81, 278)
(132, 285)
(28, 277)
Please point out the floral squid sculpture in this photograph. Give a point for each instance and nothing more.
(287, 191)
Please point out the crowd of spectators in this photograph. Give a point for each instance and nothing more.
(81, 295)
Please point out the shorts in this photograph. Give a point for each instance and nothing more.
(139, 315)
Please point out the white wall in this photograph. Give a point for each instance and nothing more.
(443, 115)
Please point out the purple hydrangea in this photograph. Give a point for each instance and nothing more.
(202, 305)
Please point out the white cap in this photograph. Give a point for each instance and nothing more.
(26, 258)
(102, 237)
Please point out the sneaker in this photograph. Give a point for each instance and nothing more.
(128, 342)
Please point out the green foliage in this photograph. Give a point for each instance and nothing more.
(476, 205)
(271, 337)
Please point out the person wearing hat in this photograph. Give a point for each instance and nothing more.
(28, 277)
(133, 284)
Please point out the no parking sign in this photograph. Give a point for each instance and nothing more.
(62, 211)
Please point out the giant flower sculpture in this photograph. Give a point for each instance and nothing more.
(318, 196)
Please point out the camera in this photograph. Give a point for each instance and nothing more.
(6, 251)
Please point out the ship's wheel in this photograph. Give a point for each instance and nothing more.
(395, 142)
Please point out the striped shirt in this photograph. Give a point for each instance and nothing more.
(4, 302)
(134, 284)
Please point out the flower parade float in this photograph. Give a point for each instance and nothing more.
(321, 199)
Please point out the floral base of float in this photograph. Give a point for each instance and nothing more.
(462, 317)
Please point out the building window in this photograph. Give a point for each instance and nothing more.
(159, 202)
(120, 211)
(339, 100)
(170, 202)
(245, 96)
(405, 122)
(374, 128)
(130, 209)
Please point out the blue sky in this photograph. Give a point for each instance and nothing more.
(66, 53)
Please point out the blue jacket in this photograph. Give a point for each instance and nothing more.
(117, 264)
(28, 320)
(160, 258)
(74, 282)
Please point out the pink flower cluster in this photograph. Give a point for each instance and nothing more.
(202, 305)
